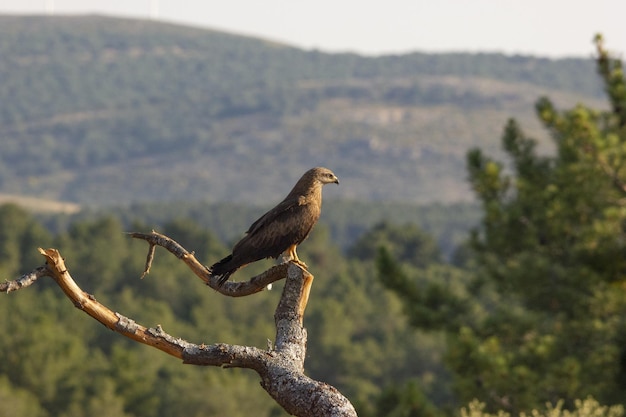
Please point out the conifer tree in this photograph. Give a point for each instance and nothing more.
(550, 270)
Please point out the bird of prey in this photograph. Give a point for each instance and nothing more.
(282, 228)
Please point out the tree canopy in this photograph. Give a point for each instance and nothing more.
(544, 312)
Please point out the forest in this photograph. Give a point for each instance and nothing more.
(498, 307)
(57, 359)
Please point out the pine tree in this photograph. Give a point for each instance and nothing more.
(546, 318)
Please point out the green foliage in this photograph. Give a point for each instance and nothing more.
(540, 315)
(408, 244)
(551, 246)
(588, 407)
(405, 401)
(18, 232)
(434, 296)
(18, 402)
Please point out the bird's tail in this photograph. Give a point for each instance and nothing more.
(221, 270)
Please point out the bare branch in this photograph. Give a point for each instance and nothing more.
(25, 280)
(114, 321)
(254, 285)
(295, 298)
(149, 260)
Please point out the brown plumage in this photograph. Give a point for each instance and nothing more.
(282, 228)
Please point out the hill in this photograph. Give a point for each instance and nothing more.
(107, 111)
(40, 205)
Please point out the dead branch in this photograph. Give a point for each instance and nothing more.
(281, 368)
(232, 289)
(25, 280)
(112, 320)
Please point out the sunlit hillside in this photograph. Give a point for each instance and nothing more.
(99, 110)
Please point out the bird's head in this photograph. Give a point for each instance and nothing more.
(324, 175)
(312, 182)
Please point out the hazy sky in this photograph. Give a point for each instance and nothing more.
(553, 28)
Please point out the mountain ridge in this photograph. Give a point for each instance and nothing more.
(109, 111)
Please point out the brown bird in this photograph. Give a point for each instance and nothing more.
(282, 228)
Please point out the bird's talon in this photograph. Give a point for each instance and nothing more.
(300, 263)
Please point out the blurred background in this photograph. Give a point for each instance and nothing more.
(474, 243)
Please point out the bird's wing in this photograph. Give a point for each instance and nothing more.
(286, 224)
(282, 208)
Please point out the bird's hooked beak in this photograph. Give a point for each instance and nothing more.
(336, 181)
